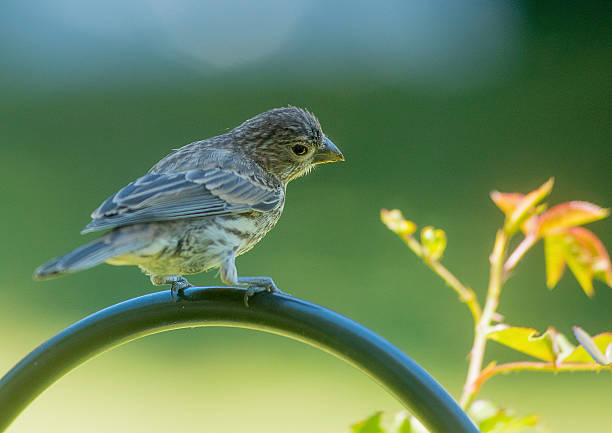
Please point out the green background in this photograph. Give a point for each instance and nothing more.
(432, 147)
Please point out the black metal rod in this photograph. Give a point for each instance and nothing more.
(222, 306)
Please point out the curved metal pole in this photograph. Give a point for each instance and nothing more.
(222, 306)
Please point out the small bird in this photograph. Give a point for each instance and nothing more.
(205, 204)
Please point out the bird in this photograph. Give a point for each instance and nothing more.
(204, 204)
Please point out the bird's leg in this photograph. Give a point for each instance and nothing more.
(229, 275)
(177, 283)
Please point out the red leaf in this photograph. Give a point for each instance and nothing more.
(583, 252)
(526, 206)
(506, 201)
(599, 258)
(570, 214)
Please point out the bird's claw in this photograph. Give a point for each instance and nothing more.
(256, 285)
(178, 284)
(252, 290)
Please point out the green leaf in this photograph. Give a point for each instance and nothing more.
(404, 423)
(579, 264)
(570, 214)
(434, 242)
(491, 419)
(504, 422)
(369, 425)
(480, 410)
(600, 342)
(562, 346)
(554, 252)
(546, 347)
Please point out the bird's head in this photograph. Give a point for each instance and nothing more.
(287, 142)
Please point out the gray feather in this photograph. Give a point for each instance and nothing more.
(113, 244)
(195, 193)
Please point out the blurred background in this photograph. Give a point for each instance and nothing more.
(434, 104)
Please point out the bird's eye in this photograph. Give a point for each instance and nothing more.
(299, 149)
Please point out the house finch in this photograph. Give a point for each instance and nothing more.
(205, 203)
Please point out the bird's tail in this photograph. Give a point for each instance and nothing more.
(91, 254)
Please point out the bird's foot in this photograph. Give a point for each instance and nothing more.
(178, 284)
(256, 285)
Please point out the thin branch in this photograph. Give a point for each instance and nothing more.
(493, 369)
(466, 294)
(520, 251)
(480, 335)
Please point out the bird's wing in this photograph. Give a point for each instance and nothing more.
(195, 193)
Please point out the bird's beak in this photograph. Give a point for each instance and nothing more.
(328, 153)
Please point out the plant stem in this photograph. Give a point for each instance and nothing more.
(466, 294)
(482, 327)
(493, 369)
